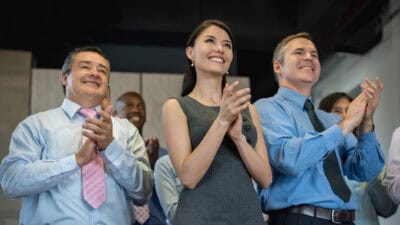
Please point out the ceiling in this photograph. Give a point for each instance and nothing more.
(50, 28)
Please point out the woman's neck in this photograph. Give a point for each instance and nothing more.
(208, 91)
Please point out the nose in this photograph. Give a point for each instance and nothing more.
(308, 56)
(219, 48)
(94, 73)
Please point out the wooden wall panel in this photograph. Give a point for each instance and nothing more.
(46, 92)
(157, 88)
(15, 71)
(121, 82)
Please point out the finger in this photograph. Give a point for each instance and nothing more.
(379, 83)
(231, 87)
(368, 94)
(109, 109)
(241, 92)
(363, 98)
(368, 90)
(360, 98)
(91, 127)
(370, 83)
(244, 106)
(94, 122)
(105, 116)
(367, 85)
(241, 104)
(243, 100)
(90, 135)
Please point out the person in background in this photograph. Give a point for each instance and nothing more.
(393, 168)
(310, 150)
(372, 197)
(214, 137)
(167, 185)
(131, 106)
(53, 154)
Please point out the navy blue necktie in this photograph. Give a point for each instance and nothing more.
(331, 166)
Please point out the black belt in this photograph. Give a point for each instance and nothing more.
(333, 215)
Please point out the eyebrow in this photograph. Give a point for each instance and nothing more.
(90, 62)
(211, 36)
(303, 49)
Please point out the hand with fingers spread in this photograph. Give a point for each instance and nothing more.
(373, 92)
(233, 102)
(100, 130)
(355, 114)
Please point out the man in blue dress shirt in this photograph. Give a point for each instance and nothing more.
(301, 192)
(46, 153)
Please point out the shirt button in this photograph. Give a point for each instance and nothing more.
(246, 128)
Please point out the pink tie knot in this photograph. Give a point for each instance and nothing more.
(87, 112)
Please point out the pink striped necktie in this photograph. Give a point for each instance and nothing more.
(93, 177)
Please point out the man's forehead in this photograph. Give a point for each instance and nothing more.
(300, 43)
(92, 57)
(132, 98)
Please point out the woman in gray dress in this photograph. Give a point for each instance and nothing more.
(214, 137)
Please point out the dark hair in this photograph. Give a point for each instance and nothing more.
(129, 94)
(327, 103)
(66, 67)
(189, 79)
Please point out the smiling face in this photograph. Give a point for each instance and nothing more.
(300, 68)
(340, 107)
(212, 51)
(87, 82)
(132, 107)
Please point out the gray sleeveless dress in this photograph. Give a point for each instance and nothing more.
(225, 195)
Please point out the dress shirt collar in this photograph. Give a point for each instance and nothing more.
(71, 108)
(293, 96)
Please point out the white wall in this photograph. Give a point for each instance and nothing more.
(346, 71)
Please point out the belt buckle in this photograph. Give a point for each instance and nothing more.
(333, 217)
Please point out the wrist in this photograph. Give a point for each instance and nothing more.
(367, 126)
(345, 127)
(223, 123)
(238, 139)
(79, 159)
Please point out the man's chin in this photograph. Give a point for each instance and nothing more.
(135, 123)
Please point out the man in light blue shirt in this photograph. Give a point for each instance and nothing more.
(300, 192)
(168, 186)
(46, 154)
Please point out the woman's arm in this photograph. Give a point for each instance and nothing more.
(255, 160)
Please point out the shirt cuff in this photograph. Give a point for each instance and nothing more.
(113, 151)
(68, 163)
(370, 135)
(333, 137)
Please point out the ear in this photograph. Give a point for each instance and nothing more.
(189, 53)
(278, 68)
(64, 78)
